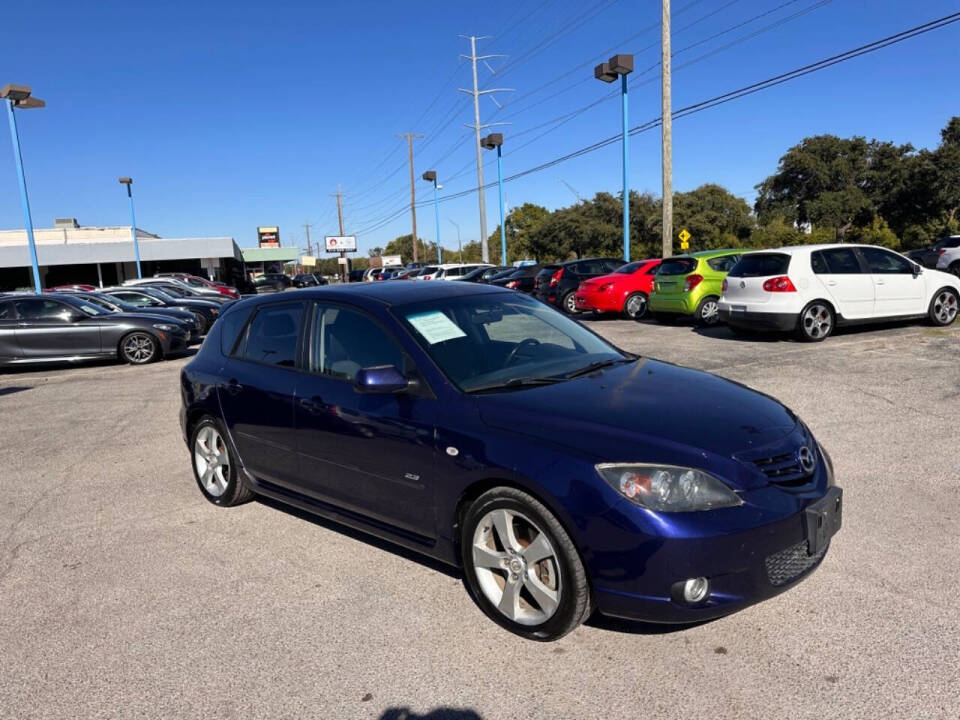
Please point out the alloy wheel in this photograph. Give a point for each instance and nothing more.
(212, 461)
(636, 306)
(570, 303)
(139, 348)
(817, 321)
(516, 567)
(945, 307)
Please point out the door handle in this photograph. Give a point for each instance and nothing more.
(878, 282)
(313, 405)
(233, 387)
(831, 283)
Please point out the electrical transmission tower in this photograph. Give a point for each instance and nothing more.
(477, 127)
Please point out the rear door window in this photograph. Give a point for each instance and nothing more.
(611, 265)
(677, 266)
(43, 310)
(6, 312)
(723, 264)
(274, 333)
(761, 265)
(841, 261)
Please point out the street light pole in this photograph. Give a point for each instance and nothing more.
(459, 244)
(133, 223)
(495, 140)
(19, 96)
(431, 176)
(622, 65)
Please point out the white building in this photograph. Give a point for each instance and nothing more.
(68, 253)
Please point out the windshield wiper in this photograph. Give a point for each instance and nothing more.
(597, 365)
(519, 382)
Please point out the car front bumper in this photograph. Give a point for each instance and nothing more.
(743, 567)
(782, 322)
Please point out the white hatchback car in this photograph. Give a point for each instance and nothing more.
(811, 289)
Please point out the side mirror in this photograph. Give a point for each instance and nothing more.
(380, 379)
(917, 270)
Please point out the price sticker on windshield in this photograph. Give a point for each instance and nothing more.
(435, 326)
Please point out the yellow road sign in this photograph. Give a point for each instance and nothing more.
(684, 236)
(684, 245)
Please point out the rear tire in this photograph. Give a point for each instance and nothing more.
(214, 465)
(635, 306)
(708, 311)
(816, 322)
(954, 268)
(521, 567)
(569, 303)
(943, 307)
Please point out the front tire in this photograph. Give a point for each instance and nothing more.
(214, 465)
(521, 567)
(635, 306)
(816, 322)
(943, 307)
(139, 348)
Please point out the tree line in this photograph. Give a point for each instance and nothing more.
(824, 189)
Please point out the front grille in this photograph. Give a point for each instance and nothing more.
(786, 565)
(783, 469)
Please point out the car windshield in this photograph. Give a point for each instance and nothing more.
(157, 293)
(491, 342)
(100, 302)
(629, 268)
(677, 266)
(87, 307)
(111, 300)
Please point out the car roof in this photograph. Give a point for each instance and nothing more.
(384, 293)
(801, 249)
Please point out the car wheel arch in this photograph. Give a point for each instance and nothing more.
(153, 336)
(477, 488)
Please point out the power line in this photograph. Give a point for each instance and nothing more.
(718, 100)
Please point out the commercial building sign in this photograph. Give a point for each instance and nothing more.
(268, 236)
(340, 243)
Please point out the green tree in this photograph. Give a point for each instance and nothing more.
(715, 217)
(403, 246)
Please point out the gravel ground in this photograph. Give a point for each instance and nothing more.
(125, 594)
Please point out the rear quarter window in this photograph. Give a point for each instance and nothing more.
(761, 265)
(722, 264)
(232, 326)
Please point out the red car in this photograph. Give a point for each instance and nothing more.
(200, 282)
(625, 290)
(77, 286)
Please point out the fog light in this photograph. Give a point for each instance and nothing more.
(696, 589)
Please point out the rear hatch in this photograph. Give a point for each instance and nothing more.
(672, 274)
(543, 277)
(745, 280)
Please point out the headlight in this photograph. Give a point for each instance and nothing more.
(164, 326)
(214, 311)
(668, 488)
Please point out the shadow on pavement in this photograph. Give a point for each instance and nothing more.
(363, 537)
(14, 389)
(441, 713)
(638, 627)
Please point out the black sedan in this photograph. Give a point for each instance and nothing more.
(272, 282)
(485, 274)
(65, 327)
(520, 279)
(928, 256)
(115, 304)
(148, 299)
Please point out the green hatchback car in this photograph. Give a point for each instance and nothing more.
(691, 285)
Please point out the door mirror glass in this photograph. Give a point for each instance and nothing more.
(380, 379)
(917, 270)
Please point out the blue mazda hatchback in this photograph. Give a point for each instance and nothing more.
(483, 428)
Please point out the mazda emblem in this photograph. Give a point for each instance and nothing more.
(806, 459)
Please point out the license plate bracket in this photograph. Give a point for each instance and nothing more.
(823, 519)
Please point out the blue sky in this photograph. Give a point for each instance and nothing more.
(230, 115)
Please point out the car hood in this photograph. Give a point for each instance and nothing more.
(644, 411)
(144, 317)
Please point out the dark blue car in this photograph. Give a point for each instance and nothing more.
(483, 428)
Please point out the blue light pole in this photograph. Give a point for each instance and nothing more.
(19, 96)
(621, 65)
(133, 223)
(495, 140)
(431, 176)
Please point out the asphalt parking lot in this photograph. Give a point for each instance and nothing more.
(125, 594)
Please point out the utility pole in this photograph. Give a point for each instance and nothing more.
(307, 226)
(667, 132)
(477, 127)
(343, 254)
(413, 192)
